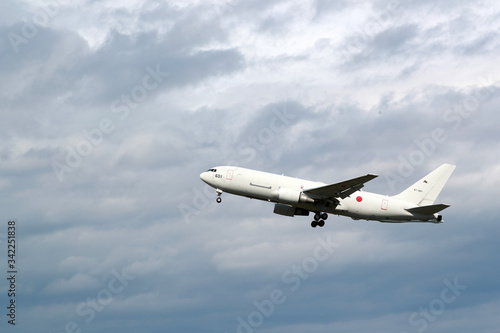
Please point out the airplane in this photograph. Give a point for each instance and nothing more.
(298, 197)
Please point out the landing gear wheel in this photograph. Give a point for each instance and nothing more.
(319, 220)
(219, 193)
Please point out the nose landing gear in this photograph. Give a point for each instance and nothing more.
(219, 199)
(319, 220)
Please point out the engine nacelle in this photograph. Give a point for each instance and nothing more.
(291, 196)
(288, 210)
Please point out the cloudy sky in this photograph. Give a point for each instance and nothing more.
(111, 110)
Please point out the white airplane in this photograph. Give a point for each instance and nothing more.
(293, 196)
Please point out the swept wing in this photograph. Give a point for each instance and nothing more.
(339, 190)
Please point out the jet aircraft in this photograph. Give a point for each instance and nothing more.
(294, 196)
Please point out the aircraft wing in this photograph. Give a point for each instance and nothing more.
(339, 190)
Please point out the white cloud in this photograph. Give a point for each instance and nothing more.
(363, 83)
(77, 282)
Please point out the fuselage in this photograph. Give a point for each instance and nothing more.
(267, 186)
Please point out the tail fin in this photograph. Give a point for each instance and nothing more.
(425, 191)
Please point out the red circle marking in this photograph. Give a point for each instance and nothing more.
(359, 199)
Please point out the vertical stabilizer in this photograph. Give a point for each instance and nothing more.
(426, 190)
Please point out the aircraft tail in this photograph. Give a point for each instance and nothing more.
(430, 209)
(426, 190)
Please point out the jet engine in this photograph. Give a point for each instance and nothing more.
(291, 196)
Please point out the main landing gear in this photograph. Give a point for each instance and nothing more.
(219, 199)
(319, 220)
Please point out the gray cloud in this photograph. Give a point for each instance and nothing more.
(246, 85)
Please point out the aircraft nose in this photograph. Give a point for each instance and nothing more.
(204, 176)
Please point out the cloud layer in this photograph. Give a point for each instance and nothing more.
(110, 113)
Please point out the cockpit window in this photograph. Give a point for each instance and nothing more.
(212, 170)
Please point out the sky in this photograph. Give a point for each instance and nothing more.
(111, 110)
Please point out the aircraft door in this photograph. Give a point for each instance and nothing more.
(229, 175)
(385, 203)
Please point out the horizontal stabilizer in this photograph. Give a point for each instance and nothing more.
(430, 209)
(339, 190)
